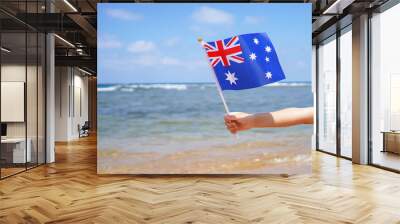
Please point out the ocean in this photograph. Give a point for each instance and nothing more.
(140, 125)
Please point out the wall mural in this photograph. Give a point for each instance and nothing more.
(172, 78)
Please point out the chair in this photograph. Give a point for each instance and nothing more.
(84, 130)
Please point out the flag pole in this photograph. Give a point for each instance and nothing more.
(216, 80)
(218, 85)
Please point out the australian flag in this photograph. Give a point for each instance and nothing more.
(245, 61)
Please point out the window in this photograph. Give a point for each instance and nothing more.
(327, 95)
(385, 89)
(346, 92)
(22, 86)
(15, 151)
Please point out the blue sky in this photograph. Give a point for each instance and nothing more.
(157, 43)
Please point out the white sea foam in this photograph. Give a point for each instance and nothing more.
(290, 84)
(204, 86)
(133, 87)
(180, 87)
(108, 88)
(127, 89)
(160, 86)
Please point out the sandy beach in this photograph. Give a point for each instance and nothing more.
(258, 157)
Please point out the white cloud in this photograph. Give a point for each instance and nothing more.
(154, 61)
(212, 16)
(141, 46)
(147, 55)
(251, 20)
(123, 14)
(109, 43)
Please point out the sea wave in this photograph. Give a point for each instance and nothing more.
(181, 87)
(124, 89)
(108, 88)
(160, 86)
(204, 86)
(289, 84)
(133, 87)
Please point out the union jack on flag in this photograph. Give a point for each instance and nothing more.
(244, 61)
(218, 51)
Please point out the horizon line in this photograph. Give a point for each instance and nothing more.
(109, 83)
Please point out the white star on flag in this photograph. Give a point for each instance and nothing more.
(253, 56)
(231, 77)
(268, 75)
(267, 59)
(268, 49)
(255, 41)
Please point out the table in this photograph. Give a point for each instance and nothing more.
(19, 155)
(391, 141)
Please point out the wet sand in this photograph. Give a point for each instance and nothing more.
(259, 157)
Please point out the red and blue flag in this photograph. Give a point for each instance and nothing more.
(244, 61)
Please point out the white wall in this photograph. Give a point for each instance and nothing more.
(17, 73)
(71, 87)
(33, 126)
(14, 73)
(13, 101)
(80, 108)
(62, 82)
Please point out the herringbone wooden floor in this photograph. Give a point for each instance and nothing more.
(70, 191)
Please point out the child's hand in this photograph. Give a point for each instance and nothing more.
(238, 121)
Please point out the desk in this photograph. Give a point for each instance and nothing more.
(391, 141)
(18, 149)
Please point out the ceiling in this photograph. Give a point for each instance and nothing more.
(76, 22)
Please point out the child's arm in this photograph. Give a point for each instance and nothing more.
(239, 121)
